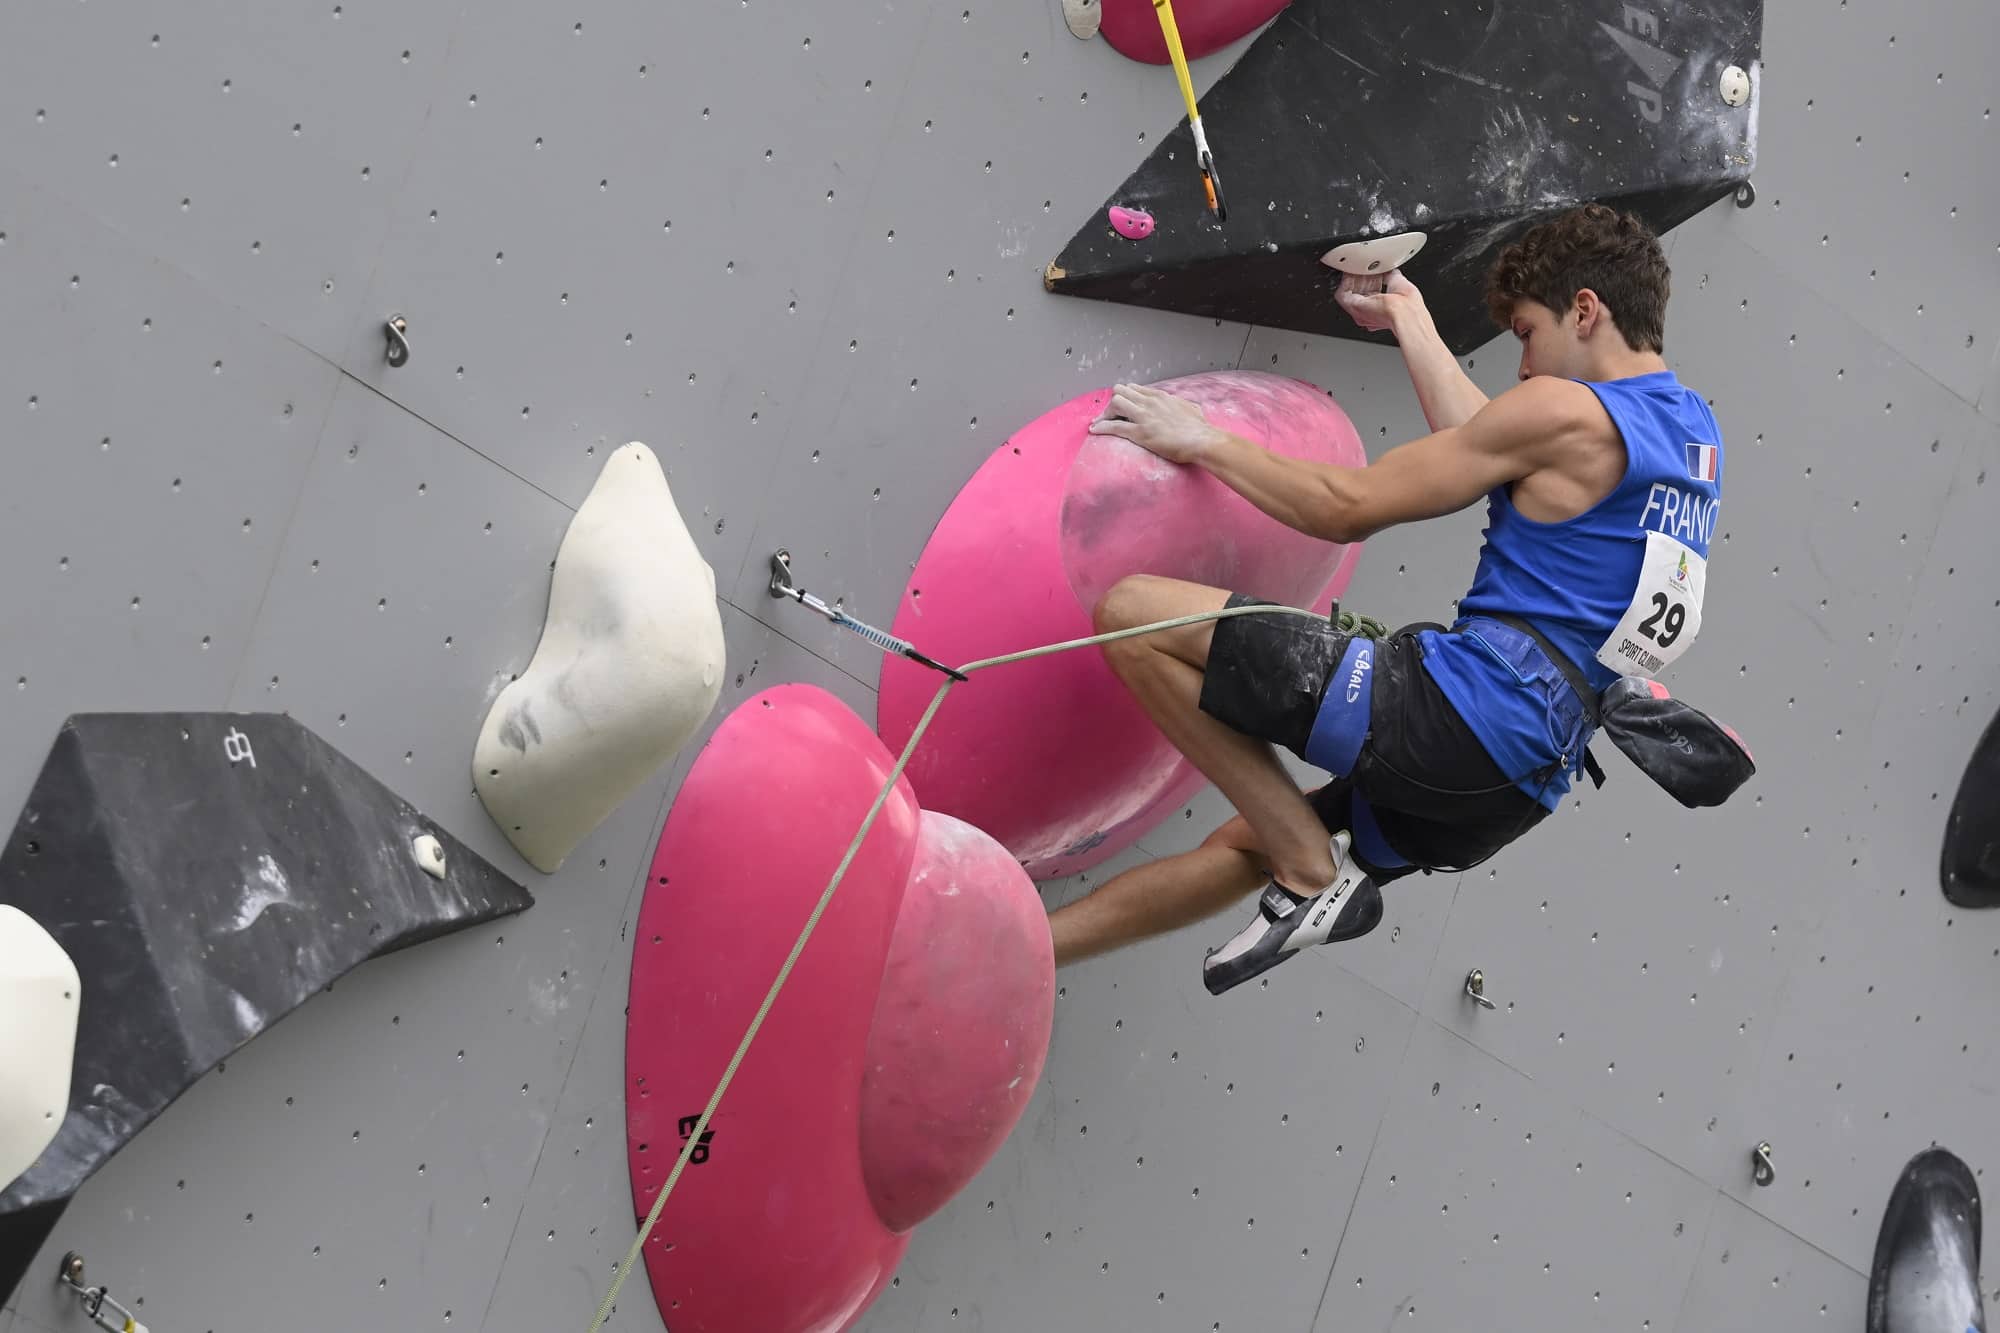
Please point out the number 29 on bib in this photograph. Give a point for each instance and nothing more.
(1665, 612)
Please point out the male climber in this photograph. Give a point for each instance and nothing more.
(1601, 473)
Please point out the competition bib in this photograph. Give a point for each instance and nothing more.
(1665, 613)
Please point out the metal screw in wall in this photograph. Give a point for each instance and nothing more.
(1475, 987)
(1760, 1164)
(398, 329)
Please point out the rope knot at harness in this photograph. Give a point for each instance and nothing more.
(1348, 622)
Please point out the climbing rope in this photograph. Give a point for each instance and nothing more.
(1345, 622)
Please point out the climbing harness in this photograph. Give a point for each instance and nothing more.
(781, 563)
(1211, 182)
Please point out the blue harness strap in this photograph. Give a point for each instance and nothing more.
(1369, 844)
(1337, 734)
(1342, 722)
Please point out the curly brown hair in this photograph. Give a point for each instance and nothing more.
(1613, 254)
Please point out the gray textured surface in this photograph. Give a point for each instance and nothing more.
(146, 493)
(1513, 1191)
(1886, 1007)
(1875, 176)
(1183, 1130)
(256, 148)
(1756, 1275)
(1663, 1003)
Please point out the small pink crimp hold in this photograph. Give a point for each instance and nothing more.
(1130, 223)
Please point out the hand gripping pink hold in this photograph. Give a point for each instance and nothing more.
(1053, 757)
(1131, 223)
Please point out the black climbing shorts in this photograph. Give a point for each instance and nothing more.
(1436, 796)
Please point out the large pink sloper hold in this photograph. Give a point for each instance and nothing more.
(1051, 756)
(897, 1059)
(962, 1028)
(773, 1231)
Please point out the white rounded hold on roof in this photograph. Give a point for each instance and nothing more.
(39, 997)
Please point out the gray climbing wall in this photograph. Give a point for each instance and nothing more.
(797, 248)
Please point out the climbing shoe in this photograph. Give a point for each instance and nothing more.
(1287, 922)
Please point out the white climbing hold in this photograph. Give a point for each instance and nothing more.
(629, 665)
(1735, 85)
(430, 855)
(39, 995)
(1376, 256)
(1083, 17)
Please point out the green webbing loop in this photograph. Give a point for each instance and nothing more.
(1347, 622)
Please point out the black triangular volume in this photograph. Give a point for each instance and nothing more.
(1925, 1274)
(208, 873)
(22, 1233)
(1971, 861)
(1351, 119)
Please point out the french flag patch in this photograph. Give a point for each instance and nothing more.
(1703, 460)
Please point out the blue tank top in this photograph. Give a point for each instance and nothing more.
(1618, 588)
